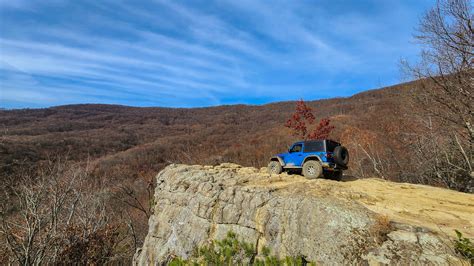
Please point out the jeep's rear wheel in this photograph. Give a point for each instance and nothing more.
(274, 167)
(312, 169)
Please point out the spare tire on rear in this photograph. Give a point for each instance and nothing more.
(341, 155)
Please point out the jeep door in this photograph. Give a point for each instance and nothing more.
(295, 156)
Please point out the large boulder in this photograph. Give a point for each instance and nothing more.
(323, 221)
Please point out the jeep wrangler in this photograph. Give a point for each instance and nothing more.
(315, 158)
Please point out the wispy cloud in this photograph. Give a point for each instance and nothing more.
(173, 53)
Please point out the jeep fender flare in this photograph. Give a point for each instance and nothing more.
(279, 160)
(312, 157)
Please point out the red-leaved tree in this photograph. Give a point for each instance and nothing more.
(304, 118)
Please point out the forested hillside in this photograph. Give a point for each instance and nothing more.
(123, 141)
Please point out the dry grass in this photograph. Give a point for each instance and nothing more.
(381, 228)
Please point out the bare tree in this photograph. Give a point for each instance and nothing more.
(32, 229)
(446, 83)
(55, 217)
(134, 201)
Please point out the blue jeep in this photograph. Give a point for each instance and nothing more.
(315, 158)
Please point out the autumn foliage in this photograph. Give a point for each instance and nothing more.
(303, 119)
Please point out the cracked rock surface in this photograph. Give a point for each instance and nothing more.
(325, 221)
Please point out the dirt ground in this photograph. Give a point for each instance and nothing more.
(440, 210)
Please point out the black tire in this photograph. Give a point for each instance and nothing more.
(312, 169)
(333, 175)
(341, 155)
(274, 167)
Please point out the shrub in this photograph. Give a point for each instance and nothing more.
(464, 247)
(232, 251)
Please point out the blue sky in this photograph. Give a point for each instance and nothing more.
(200, 53)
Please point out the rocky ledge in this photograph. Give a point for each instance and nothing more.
(328, 222)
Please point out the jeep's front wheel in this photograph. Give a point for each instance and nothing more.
(274, 167)
(312, 169)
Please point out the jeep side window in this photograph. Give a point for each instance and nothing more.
(296, 148)
(331, 145)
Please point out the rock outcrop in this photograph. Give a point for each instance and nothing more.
(324, 221)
